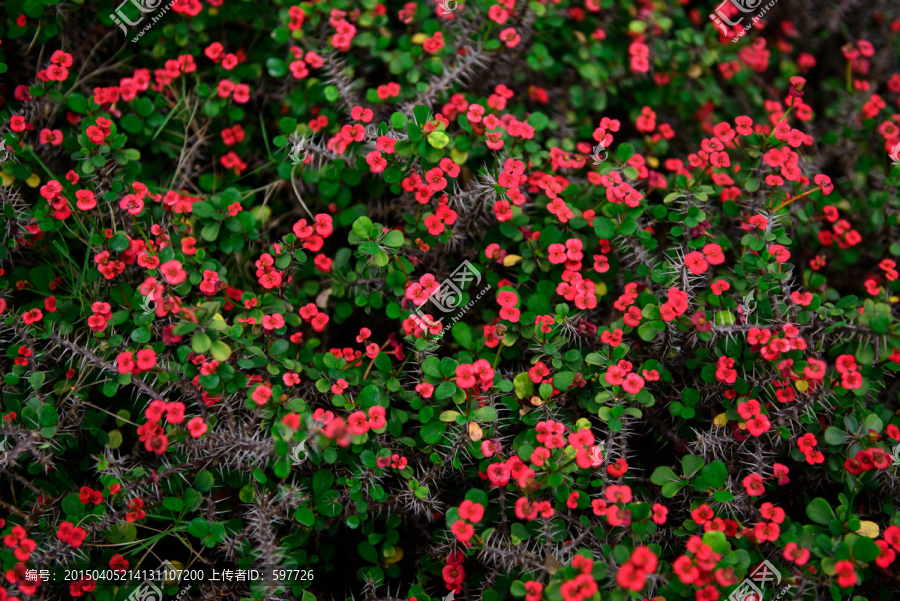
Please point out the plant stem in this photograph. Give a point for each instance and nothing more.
(787, 202)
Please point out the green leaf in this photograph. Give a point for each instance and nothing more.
(432, 367)
(279, 347)
(198, 527)
(819, 511)
(322, 481)
(865, 549)
(392, 175)
(523, 385)
(220, 351)
(369, 396)
(210, 231)
(367, 552)
(204, 481)
(393, 238)
(361, 227)
(132, 124)
(538, 121)
(287, 125)
(276, 67)
(670, 489)
(647, 331)
(462, 334)
(448, 367)
(140, 335)
(122, 532)
(369, 248)
(119, 242)
(399, 120)
(663, 475)
(77, 102)
(605, 228)
(865, 354)
(173, 503)
(305, 516)
(715, 474)
(691, 464)
(835, 436)
(200, 343)
(880, 323)
(329, 504)
(203, 210)
(421, 114)
(438, 139)
(563, 380)
(71, 505)
(433, 431)
(625, 151)
(486, 414)
(717, 542)
(751, 185)
(517, 589)
(36, 380)
(115, 439)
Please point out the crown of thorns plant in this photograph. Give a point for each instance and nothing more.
(562, 301)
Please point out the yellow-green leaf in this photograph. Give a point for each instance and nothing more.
(220, 351)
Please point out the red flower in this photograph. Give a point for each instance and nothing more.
(471, 511)
(118, 563)
(68, 533)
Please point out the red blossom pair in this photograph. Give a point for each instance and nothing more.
(317, 320)
(69, 533)
(131, 363)
(88, 495)
(453, 573)
(633, 573)
(394, 461)
(18, 540)
(360, 423)
(479, 373)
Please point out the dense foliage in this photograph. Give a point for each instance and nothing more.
(226, 232)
